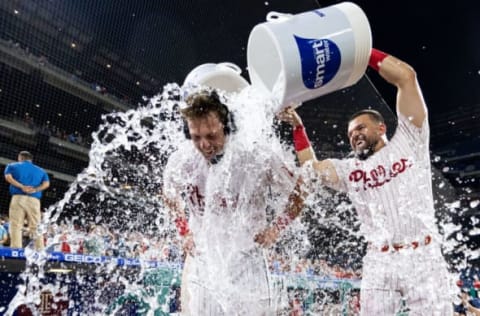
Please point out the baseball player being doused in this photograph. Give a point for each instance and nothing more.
(218, 188)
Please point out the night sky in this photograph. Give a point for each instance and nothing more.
(169, 38)
(440, 41)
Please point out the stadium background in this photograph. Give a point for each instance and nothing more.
(65, 64)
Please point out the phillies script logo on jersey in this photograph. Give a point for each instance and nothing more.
(198, 200)
(379, 175)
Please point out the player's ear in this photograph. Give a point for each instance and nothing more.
(382, 129)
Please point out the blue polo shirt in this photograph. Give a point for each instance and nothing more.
(27, 174)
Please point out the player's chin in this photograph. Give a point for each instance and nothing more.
(356, 149)
(208, 155)
(360, 148)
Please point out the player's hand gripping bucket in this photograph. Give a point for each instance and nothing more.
(295, 58)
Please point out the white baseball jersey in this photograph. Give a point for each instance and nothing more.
(226, 204)
(392, 189)
(392, 193)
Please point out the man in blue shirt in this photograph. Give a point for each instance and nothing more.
(27, 181)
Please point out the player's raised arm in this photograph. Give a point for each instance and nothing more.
(303, 148)
(410, 102)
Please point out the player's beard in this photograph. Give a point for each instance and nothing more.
(368, 150)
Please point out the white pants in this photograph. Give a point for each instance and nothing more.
(239, 289)
(419, 276)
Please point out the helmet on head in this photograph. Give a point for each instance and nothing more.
(223, 76)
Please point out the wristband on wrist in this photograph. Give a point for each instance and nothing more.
(284, 220)
(300, 138)
(376, 57)
(281, 222)
(182, 226)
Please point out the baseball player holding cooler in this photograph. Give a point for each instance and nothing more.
(219, 192)
(390, 185)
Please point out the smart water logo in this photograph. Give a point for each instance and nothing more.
(320, 60)
(319, 12)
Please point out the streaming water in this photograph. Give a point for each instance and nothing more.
(121, 190)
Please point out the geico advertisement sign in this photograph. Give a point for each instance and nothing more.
(84, 258)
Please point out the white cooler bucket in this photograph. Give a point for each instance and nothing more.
(223, 76)
(296, 58)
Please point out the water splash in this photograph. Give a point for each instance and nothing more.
(121, 188)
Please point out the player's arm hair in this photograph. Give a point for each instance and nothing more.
(325, 168)
(410, 101)
(305, 155)
(326, 171)
(294, 206)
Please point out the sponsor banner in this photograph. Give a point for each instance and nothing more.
(13, 253)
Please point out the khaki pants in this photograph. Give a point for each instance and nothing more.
(24, 207)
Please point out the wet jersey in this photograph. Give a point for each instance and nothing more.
(227, 206)
(229, 198)
(392, 189)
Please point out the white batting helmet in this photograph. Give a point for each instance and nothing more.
(224, 76)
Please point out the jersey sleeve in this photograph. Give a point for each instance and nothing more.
(45, 177)
(417, 138)
(417, 135)
(8, 169)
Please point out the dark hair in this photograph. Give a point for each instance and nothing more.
(26, 155)
(201, 104)
(373, 114)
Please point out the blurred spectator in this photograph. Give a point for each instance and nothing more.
(5, 223)
(122, 247)
(65, 247)
(93, 244)
(28, 120)
(3, 236)
(27, 181)
(46, 129)
(354, 303)
(71, 138)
